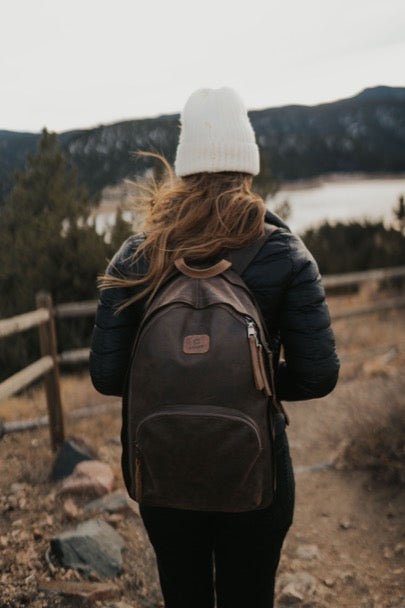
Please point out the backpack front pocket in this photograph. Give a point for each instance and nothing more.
(199, 457)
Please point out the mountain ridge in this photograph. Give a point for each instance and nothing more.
(363, 133)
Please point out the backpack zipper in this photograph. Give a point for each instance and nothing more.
(253, 334)
(244, 419)
(256, 351)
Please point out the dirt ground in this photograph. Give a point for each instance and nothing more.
(348, 530)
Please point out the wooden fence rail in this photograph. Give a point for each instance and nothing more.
(350, 279)
(20, 323)
(389, 304)
(76, 309)
(26, 376)
(47, 367)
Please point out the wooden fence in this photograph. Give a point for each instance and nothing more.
(47, 367)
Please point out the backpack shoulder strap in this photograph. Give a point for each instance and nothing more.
(241, 258)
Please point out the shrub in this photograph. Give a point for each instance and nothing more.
(340, 248)
(376, 442)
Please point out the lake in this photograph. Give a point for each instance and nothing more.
(333, 198)
(341, 198)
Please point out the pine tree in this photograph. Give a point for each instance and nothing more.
(266, 184)
(399, 214)
(46, 242)
(43, 232)
(120, 231)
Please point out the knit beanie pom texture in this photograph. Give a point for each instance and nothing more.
(216, 134)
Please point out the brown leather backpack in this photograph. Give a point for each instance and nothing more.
(200, 394)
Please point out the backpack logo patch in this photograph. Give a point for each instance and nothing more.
(196, 344)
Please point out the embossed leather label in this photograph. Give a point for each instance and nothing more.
(196, 344)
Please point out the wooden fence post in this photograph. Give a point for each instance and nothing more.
(48, 345)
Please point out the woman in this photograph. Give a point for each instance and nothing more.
(199, 211)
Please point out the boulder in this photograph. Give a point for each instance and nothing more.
(92, 546)
(71, 452)
(117, 502)
(90, 477)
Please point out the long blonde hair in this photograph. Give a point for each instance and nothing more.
(196, 216)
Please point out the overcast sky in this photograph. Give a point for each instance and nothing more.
(79, 63)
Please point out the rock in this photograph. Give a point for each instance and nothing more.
(48, 520)
(17, 522)
(367, 602)
(294, 565)
(304, 584)
(90, 477)
(345, 524)
(82, 590)
(18, 487)
(71, 452)
(399, 549)
(290, 596)
(115, 440)
(70, 509)
(92, 546)
(348, 578)
(329, 582)
(116, 502)
(120, 605)
(379, 366)
(307, 552)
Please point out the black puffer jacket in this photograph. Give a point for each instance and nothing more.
(286, 282)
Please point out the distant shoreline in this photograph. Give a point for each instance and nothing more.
(315, 182)
(115, 196)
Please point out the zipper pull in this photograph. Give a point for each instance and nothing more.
(254, 355)
(267, 387)
(256, 349)
(252, 331)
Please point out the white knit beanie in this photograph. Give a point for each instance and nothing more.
(216, 134)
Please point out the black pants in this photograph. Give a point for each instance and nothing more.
(243, 548)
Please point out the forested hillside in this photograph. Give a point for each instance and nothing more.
(363, 133)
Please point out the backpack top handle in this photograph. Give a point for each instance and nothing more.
(202, 273)
(239, 259)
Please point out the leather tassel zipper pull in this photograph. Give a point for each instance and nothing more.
(263, 372)
(254, 352)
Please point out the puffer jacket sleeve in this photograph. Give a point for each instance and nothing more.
(113, 334)
(311, 366)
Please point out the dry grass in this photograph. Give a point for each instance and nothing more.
(76, 391)
(372, 348)
(376, 442)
